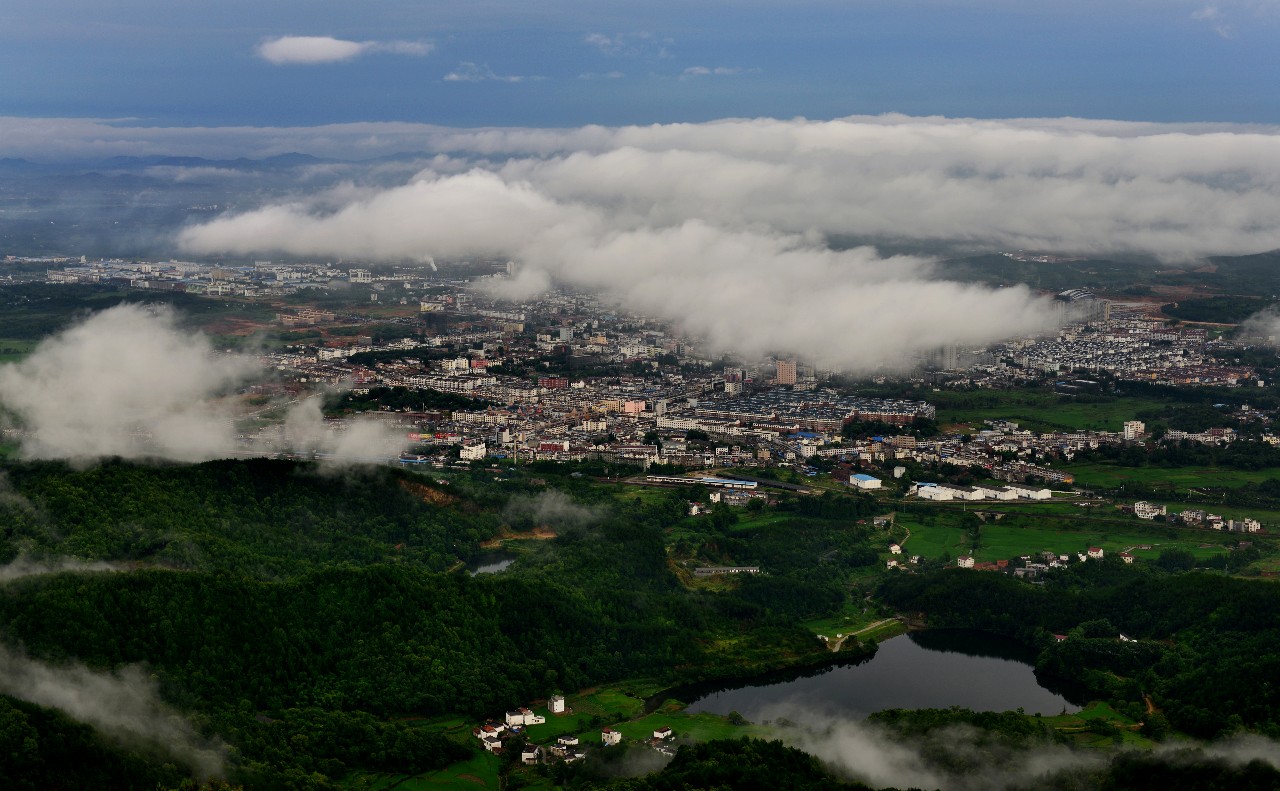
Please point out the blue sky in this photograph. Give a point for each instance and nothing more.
(557, 63)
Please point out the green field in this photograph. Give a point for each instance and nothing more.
(478, 772)
(14, 349)
(934, 540)
(1110, 476)
(610, 702)
(1038, 411)
(1077, 726)
(1000, 542)
(850, 620)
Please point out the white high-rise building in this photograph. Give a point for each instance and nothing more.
(1134, 429)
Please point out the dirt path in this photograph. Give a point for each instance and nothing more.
(542, 533)
(838, 644)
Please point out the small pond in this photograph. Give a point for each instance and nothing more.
(490, 563)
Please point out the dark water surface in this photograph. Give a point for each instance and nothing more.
(490, 563)
(921, 670)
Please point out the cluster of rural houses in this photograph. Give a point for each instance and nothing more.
(493, 734)
(1194, 517)
(1034, 565)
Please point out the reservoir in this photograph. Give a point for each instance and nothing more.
(922, 670)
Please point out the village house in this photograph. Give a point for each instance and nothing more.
(490, 736)
(524, 716)
(610, 737)
(491, 730)
(1145, 510)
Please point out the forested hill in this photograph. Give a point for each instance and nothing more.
(756, 765)
(297, 616)
(260, 517)
(1205, 647)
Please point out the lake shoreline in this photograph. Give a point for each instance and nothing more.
(931, 668)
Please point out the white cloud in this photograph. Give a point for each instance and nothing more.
(124, 705)
(1212, 16)
(746, 288)
(609, 45)
(630, 45)
(591, 205)
(473, 72)
(964, 758)
(24, 566)
(326, 49)
(717, 71)
(52, 139)
(124, 382)
(130, 382)
(412, 48)
(708, 224)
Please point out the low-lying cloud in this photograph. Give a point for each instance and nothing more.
(748, 288)
(551, 508)
(958, 758)
(1263, 326)
(24, 566)
(124, 382)
(305, 429)
(326, 49)
(964, 758)
(124, 706)
(129, 382)
(724, 227)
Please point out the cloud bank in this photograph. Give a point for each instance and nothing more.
(724, 227)
(749, 289)
(130, 382)
(326, 49)
(124, 706)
